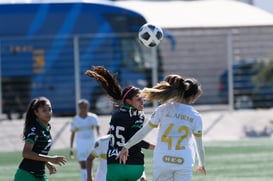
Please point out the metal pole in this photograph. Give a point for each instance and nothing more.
(77, 71)
(154, 70)
(1, 108)
(230, 71)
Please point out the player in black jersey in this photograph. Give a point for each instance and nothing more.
(38, 141)
(125, 122)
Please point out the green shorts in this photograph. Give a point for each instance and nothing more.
(22, 175)
(122, 172)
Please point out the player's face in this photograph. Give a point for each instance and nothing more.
(44, 113)
(136, 102)
(83, 108)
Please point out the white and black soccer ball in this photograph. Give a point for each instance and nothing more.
(150, 35)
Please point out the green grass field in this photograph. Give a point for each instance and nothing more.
(246, 160)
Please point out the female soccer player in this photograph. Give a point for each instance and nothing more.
(37, 143)
(100, 151)
(177, 121)
(83, 126)
(125, 122)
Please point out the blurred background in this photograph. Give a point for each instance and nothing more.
(46, 47)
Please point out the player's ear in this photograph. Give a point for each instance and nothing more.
(35, 112)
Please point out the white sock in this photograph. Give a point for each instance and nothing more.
(84, 174)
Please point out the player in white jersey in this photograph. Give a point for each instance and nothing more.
(83, 126)
(100, 151)
(177, 121)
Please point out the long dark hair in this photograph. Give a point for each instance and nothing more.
(30, 115)
(174, 87)
(110, 84)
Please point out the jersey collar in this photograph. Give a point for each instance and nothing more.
(42, 125)
(127, 107)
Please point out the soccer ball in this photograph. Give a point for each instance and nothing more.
(150, 35)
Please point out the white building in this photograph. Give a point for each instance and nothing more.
(201, 30)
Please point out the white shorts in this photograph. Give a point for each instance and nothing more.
(161, 173)
(84, 148)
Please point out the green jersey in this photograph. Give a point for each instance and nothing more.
(39, 135)
(123, 125)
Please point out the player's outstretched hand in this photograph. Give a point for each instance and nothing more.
(142, 178)
(59, 160)
(51, 167)
(123, 154)
(201, 170)
(71, 154)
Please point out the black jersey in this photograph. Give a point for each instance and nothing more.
(39, 136)
(123, 125)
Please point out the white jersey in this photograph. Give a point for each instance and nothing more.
(84, 127)
(85, 135)
(177, 122)
(100, 151)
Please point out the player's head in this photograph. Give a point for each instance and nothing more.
(83, 102)
(193, 91)
(83, 105)
(39, 108)
(131, 97)
(129, 92)
(174, 88)
(173, 78)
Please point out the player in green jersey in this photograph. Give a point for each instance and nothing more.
(125, 122)
(38, 141)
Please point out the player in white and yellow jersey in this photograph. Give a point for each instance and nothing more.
(100, 151)
(83, 126)
(178, 123)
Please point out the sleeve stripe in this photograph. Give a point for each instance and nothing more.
(94, 154)
(29, 140)
(197, 134)
(103, 156)
(152, 125)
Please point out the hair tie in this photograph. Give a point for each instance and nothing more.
(189, 84)
(126, 93)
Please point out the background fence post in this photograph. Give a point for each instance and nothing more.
(230, 71)
(1, 97)
(77, 71)
(154, 71)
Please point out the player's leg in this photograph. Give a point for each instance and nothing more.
(83, 170)
(83, 147)
(101, 170)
